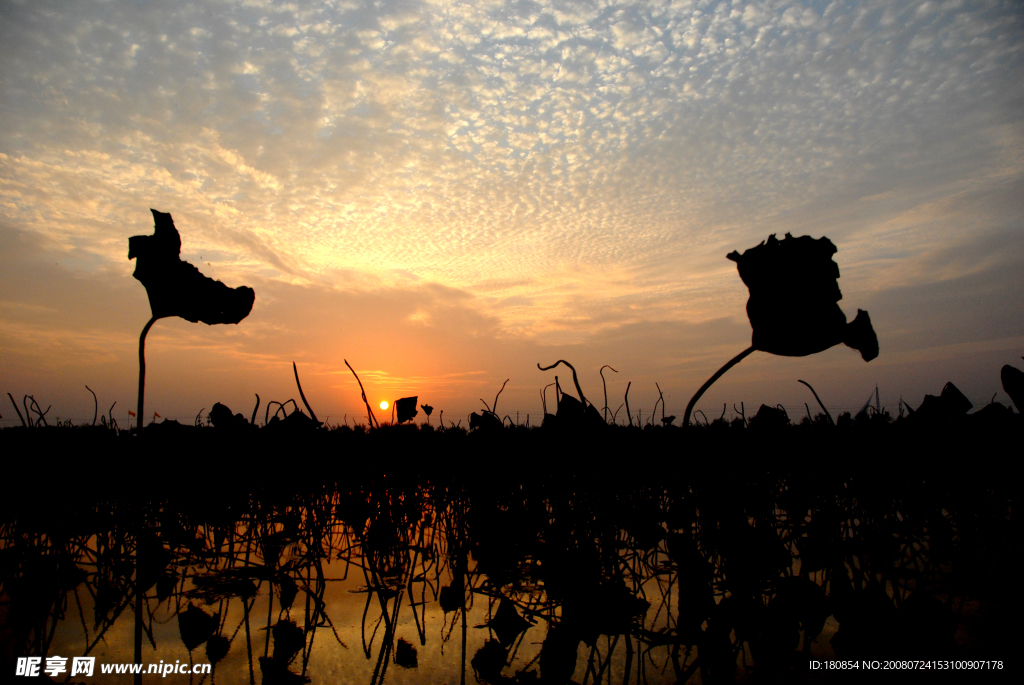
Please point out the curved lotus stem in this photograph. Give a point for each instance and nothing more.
(142, 370)
(718, 374)
(605, 385)
(820, 403)
(369, 412)
(302, 395)
(583, 400)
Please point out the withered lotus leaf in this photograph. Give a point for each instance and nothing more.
(406, 408)
(793, 299)
(175, 287)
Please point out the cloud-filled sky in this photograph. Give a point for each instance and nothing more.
(447, 193)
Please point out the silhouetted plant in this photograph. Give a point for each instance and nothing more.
(488, 419)
(1013, 383)
(570, 410)
(312, 415)
(604, 385)
(176, 288)
(820, 403)
(95, 405)
(15, 405)
(369, 410)
(406, 408)
(793, 303)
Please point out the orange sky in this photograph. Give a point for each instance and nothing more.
(446, 194)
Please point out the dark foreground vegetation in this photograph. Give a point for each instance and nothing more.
(712, 554)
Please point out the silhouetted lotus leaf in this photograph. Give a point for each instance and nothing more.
(949, 405)
(507, 623)
(296, 422)
(277, 673)
(222, 417)
(405, 409)
(993, 416)
(1013, 384)
(488, 661)
(287, 591)
(168, 427)
(769, 418)
(165, 586)
(793, 295)
(175, 287)
(405, 654)
(558, 656)
(574, 414)
(196, 626)
(288, 640)
(485, 421)
(451, 598)
(217, 648)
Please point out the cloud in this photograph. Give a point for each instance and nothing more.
(563, 171)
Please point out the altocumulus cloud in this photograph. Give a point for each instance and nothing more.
(576, 169)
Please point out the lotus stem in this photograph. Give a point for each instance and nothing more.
(718, 374)
(142, 372)
(820, 403)
(605, 386)
(494, 407)
(25, 425)
(369, 412)
(575, 380)
(302, 395)
(95, 405)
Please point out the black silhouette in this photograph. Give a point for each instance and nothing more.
(604, 386)
(793, 299)
(312, 415)
(222, 417)
(582, 572)
(370, 418)
(176, 288)
(574, 413)
(489, 419)
(793, 304)
(1013, 384)
(196, 626)
(406, 409)
(951, 404)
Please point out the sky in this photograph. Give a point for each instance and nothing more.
(446, 194)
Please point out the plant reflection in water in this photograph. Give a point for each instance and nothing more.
(657, 572)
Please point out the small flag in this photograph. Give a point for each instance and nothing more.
(157, 415)
(131, 413)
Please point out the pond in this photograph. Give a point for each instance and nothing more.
(451, 567)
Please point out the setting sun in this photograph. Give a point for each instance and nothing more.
(384, 404)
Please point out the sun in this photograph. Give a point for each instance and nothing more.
(384, 404)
